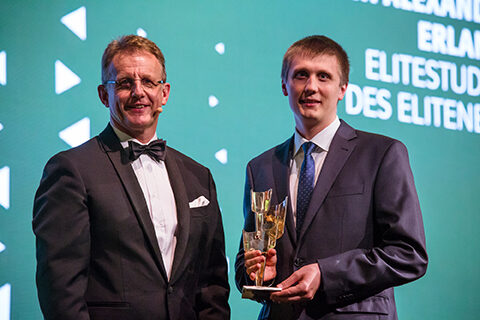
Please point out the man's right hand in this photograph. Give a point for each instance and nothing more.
(253, 260)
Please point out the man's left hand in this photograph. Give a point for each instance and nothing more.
(301, 286)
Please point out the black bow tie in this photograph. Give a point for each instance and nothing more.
(155, 150)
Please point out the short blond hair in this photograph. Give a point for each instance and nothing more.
(313, 46)
(130, 43)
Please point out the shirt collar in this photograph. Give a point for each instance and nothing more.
(323, 139)
(124, 138)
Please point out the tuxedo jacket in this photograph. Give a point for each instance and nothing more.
(363, 227)
(97, 254)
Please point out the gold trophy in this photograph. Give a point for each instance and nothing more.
(274, 221)
(258, 240)
(260, 205)
(269, 226)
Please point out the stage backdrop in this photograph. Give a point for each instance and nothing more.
(415, 76)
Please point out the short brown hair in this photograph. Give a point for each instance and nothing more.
(313, 46)
(130, 43)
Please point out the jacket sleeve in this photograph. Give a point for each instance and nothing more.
(212, 299)
(241, 277)
(61, 226)
(398, 255)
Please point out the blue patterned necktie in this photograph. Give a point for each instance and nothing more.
(305, 184)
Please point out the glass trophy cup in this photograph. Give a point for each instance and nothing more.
(258, 240)
(274, 221)
(269, 226)
(260, 205)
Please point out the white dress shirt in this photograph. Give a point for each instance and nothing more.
(322, 141)
(153, 179)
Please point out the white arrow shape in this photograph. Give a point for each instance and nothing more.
(5, 187)
(77, 133)
(5, 291)
(2, 247)
(212, 101)
(76, 21)
(141, 32)
(222, 156)
(220, 48)
(3, 68)
(1, 127)
(64, 78)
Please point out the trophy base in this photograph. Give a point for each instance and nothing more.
(258, 292)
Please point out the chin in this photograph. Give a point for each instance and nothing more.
(141, 120)
(310, 116)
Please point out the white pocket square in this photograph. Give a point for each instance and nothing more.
(199, 202)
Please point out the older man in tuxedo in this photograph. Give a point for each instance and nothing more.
(354, 228)
(126, 227)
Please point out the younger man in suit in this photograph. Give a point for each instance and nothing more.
(354, 228)
(126, 227)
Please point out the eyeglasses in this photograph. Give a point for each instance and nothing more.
(127, 83)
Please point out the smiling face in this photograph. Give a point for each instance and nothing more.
(313, 86)
(135, 110)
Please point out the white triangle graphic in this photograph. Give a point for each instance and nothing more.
(2, 247)
(212, 101)
(64, 78)
(5, 188)
(3, 68)
(5, 301)
(220, 48)
(141, 32)
(222, 156)
(77, 133)
(76, 21)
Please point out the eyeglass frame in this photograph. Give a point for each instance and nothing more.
(130, 80)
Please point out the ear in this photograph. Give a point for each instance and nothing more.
(343, 89)
(165, 93)
(284, 89)
(103, 94)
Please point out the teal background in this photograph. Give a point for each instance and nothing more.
(252, 116)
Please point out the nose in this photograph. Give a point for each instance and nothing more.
(311, 84)
(137, 88)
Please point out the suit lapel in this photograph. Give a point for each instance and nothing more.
(281, 167)
(341, 147)
(183, 212)
(120, 162)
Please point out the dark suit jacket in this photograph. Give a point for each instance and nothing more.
(363, 227)
(97, 253)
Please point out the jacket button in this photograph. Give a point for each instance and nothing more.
(298, 262)
(170, 289)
